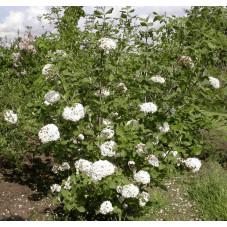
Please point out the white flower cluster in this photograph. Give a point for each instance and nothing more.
(64, 166)
(60, 52)
(107, 122)
(128, 191)
(107, 132)
(16, 56)
(152, 160)
(193, 163)
(108, 149)
(10, 116)
(143, 198)
(158, 79)
(122, 86)
(131, 163)
(142, 177)
(107, 44)
(27, 44)
(47, 69)
(55, 188)
(214, 82)
(83, 166)
(24, 72)
(132, 166)
(106, 207)
(174, 153)
(97, 170)
(148, 107)
(74, 113)
(165, 128)
(141, 148)
(136, 124)
(51, 97)
(186, 60)
(80, 137)
(67, 184)
(49, 133)
(100, 169)
(104, 92)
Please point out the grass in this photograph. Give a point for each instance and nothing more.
(209, 191)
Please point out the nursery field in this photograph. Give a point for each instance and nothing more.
(121, 120)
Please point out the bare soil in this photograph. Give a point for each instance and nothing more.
(24, 191)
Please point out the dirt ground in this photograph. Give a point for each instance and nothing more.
(24, 193)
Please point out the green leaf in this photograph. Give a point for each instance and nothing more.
(123, 15)
(89, 132)
(96, 12)
(143, 24)
(81, 209)
(112, 184)
(157, 18)
(110, 11)
(120, 130)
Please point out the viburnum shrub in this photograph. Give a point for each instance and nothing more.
(118, 108)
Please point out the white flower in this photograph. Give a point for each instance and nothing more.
(104, 92)
(55, 168)
(107, 122)
(174, 153)
(51, 97)
(186, 60)
(141, 148)
(83, 166)
(136, 124)
(131, 163)
(148, 107)
(158, 79)
(74, 113)
(114, 114)
(214, 82)
(24, 72)
(165, 128)
(125, 206)
(119, 189)
(67, 184)
(81, 136)
(122, 86)
(16, 56)
(107, 148)
(107, 132)
(47, 69)
(152, 160)
(142, 177)
(107, 44)
(75, 141)
(60, 52)
(143, 198)
(64, 166)
(106, 207)
(193, 163)
(10, 116)
(49, 133)
(100, 169)
(130, 191)
(55, 188)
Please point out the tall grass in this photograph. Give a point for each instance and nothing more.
(209, 191)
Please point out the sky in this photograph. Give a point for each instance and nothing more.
(14, 18)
